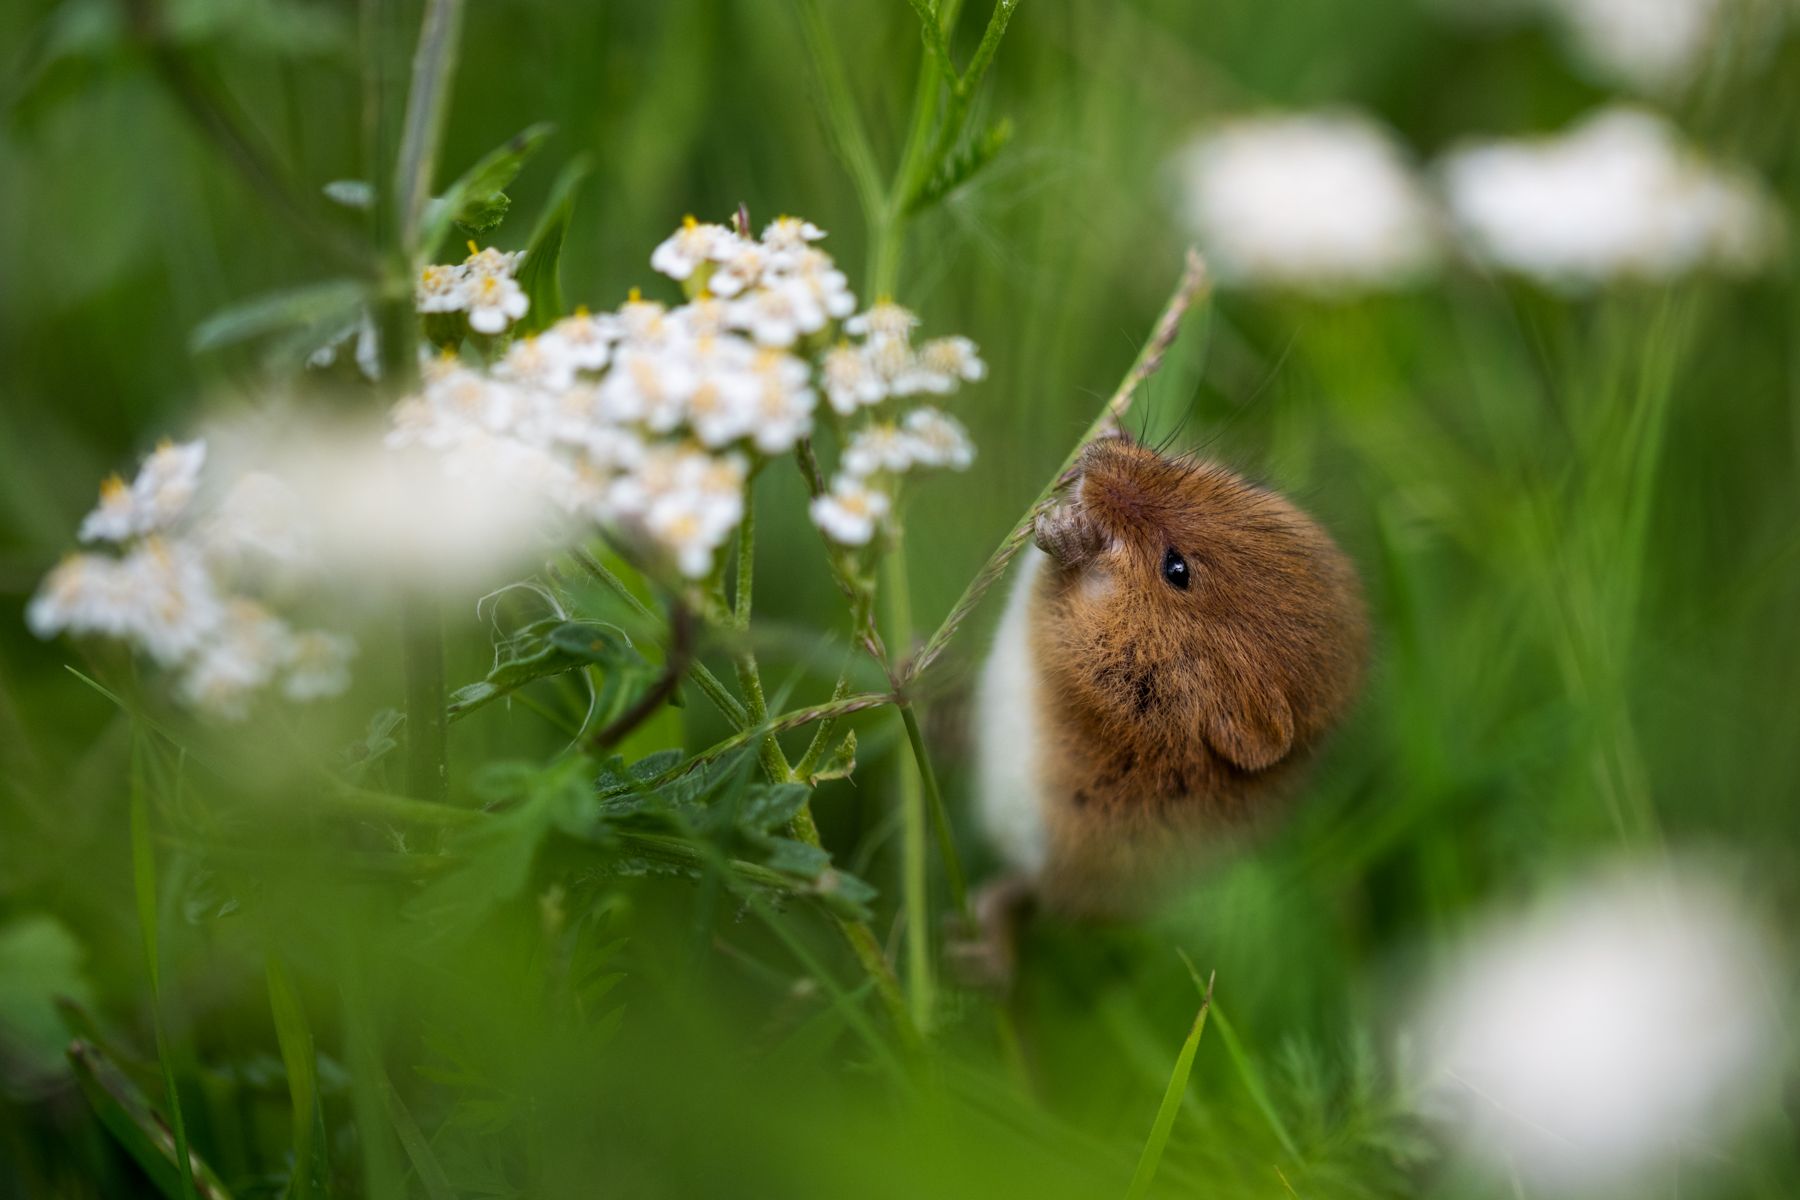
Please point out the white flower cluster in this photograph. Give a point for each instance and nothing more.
(1321, 203)
(646, 419)
(1617, 196)
(171, 590)
(1326, 204)
(482, 285)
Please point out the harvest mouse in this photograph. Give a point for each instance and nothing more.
(1169, 655)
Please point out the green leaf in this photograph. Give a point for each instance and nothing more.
(540, 276)
(430, 1171)
(331, 302)
(542, 649)
(497, 854)
(841, 764)
(297, 1054)
(377, 741)
(477, 201)
(961, 165)
(139, 1128)
(1151, 1157)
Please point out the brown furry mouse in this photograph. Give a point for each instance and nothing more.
(1164, 667)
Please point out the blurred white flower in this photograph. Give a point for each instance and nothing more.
(884, 319)
(1587, 1044)
(85, 594)
(685, 249)
(1651, 44)
(482, 285)
(155, 500)
(786, 233)
(850, 511)
(494, 302)
(317, 665)
(1619, 196)
(742, 264)
(1323, 203)
(240, 657)
(782, 403)
(942, 365)
(178, 604)
(877, 448)
(776, 314)
(850, 380)
(938, 440)
(256, 527)
(586, 340)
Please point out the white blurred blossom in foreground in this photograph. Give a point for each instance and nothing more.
(1323, 203)
(1619, 196)
(186, 588)
(646, 420)
(1591, 1042)
(1650, 44)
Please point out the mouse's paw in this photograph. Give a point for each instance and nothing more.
(984, 954)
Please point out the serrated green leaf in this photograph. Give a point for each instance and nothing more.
(485, 215)
(769, 807)
(797, 858)
(541, 275)
(330, 303)
(961, 165)
(472, 198)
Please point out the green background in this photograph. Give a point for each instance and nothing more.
(1575, 518)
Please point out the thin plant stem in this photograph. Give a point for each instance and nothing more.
(756, 705)
(710, 685)
(914, 880)
(427, 105)
(1194, 283)
(940, 820)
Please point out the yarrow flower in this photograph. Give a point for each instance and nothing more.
(850, 512)
(1619, 196)
(174, 592)
(644, 420)
(483, 286)
(1324, 203)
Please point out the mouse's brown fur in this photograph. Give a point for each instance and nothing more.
(1175, 717)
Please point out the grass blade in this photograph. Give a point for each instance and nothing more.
(139, 1128)
(143, 876)
(298, 1057)
(541, 274)
(1171, 1101)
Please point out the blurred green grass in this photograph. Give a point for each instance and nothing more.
(1576, 521)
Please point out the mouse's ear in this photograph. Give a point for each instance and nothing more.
(1249, 723)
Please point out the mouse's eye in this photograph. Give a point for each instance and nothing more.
(1175, 569)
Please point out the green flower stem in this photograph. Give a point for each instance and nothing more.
(756, 705)
(914, 880)
(821, 739)
(940, 819)
(427, 722)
